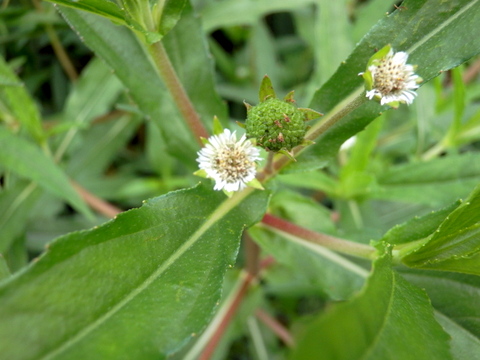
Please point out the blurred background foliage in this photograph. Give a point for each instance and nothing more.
(408, 162)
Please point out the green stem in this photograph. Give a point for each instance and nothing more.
(336, 114)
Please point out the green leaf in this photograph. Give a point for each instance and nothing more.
(15, 205)
(234, 12)
(455, 298)
(15, 99)
(107, 9)
(332, 33)
(171, 13)
(377, 324)
(464, 346)
(137, 287)
(418, 227)
(426, 29)
(456, 242)
(25, 159)
(266, 89)
(436, 182)
(4, 270)
(122, 51)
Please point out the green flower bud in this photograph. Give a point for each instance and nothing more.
(276, 125)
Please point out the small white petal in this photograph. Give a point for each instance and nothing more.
(393, 79)
(231, 163)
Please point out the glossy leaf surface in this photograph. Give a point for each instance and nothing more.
(137, 287)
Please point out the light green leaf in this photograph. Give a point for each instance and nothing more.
(377, 324)
(233, 12)
(92, 95)
(15, 205)
(15, 100)
(171, 12)
(26, 160)
(137, 287)
(360, 154)
(428, 30)
(4, 270)
(332, 34)
(107, 9)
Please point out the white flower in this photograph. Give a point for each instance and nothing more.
(231, 163)
(390, 79)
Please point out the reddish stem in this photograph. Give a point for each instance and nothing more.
(330, 242)
(274, 325)
(216, 337)
(95, 202)
(247, 280)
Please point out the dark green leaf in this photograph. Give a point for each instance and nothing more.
(377, 324)
(455, 245)
(26, 160)
(428, 30)
(137, 287)
(107, 9)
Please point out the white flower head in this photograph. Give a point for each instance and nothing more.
(231, 163)
(390, 79)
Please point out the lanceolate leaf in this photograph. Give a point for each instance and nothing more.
(103, 8)
(26, 160)
(390, 319)
(137, 287)
(429, 30)
(172, 10)
(123, 52)
(16, 100)
(418, 227)
(15, 205)
(436, 182)
(456, 242)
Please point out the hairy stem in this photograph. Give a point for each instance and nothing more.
(176, 89)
